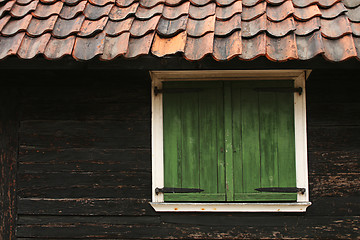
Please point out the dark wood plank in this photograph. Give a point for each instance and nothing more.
(9, 125)
(81, 134)
(133, 206)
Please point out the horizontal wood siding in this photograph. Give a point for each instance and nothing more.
(84, 166)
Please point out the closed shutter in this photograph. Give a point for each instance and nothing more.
(193, 139)
(228, 139)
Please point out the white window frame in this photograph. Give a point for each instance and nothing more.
(299, 77)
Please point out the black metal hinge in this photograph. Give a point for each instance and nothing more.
(175, 90)
(282, 189)
(177, 190)
(280, 89)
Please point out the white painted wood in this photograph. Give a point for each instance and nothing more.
(157, 141)
(299, 77)
(230, 207)
(301, 138)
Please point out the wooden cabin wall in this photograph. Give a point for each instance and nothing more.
(84, 164)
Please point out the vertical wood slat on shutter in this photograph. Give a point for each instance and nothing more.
(200, 129)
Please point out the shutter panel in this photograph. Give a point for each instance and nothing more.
(193, 139)
(263, 141)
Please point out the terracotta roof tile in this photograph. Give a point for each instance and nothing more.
(304, 28)
(172, 27)
(354, 26)
(116, 28)
(253, 47)
(124, 3)
(225, 2)
(88, 48)
(150, 3)
(69, 12)
(354, 14)
(339, 49)
(115, 46)
(147, 13)
(280, 29)
(227, 12)
(10, 45)
(335, 28)
(197, 28)
(30, 47)
(199, 2)
(202, 12)
(328, 3)
(23, 2)
(72, 2)
(197, 48)
(166, 46)
(173, 2)
(351, 3)
(307, 13)
(140, 28)
(57, 48)
(94, 12)
(39, 26)
(223, 28)
(309, 46)
(276, 2)
(63, 28)
(175, 12)
(6, 7)
(90, 27)
(281, 49)
(20, 10)
(101, 3)
(16, 25)
(120, 13)
(226, 48)
(333, 11)
(251, 3)
(140, 46)
(250, 13)
(280, 12)
(253, 27)
(44, 11)
(304, 3)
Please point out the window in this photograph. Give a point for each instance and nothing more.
(229, 141)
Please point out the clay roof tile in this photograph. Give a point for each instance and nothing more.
(44, 10)
(173, 2)
(116, 28)
(30, 47)
(199, 3)
(351, 3)
(39, 26)
(150, 3)
(198, 28)
(253, 27)
(124, 3)
(90, 27)
(69, 12)
(101, 3)
(23, 2)
(333, 11)
(6, 7)
(354, 14)
(335, 28)
(309, 46)
(94, 12)
(304, 3)
(251, 3)
(225, 2)
(63, 28)
(280, 29)
(227, 12)
(10, 45)
(147, 13)
(279, 12)
(226, 48)
(306, 13)
(120, 13)
(140, 28)
(22, 10)
(3, 21)
(203, 12)
(87, 48)
(253, 47)
(57, 48)
(170, 28)
(307, 27)
(328, 3)
(355, 28)
(339, 49)
(226, 27)
(281, 49)
(115, 46)
(177, 11)
(166, 46)
(14, 26)
(140, 46)
(250, 13)
(198, 48)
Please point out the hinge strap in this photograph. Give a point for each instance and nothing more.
(176, 90)
(177, 190)
(280, 89)
(282, 189)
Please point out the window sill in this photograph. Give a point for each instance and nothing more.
(230, 207)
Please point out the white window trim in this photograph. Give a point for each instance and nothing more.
(299, 77)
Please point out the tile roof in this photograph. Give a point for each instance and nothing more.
(106, 29)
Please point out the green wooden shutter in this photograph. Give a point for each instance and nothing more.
(193, 140)
(228, 139)
(263, 140)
